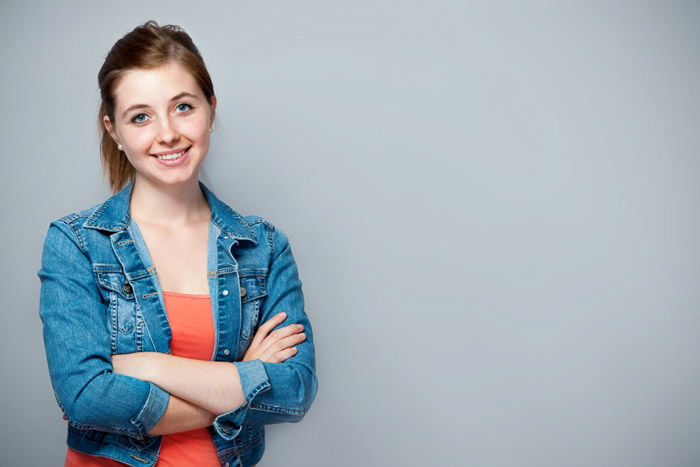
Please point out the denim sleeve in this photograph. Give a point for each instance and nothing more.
(277, 392)
(76, 330)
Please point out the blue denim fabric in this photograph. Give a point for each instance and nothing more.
(100, 296)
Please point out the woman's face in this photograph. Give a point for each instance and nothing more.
(162, 112)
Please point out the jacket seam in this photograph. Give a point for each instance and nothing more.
(281, 410)
(270, 240)
(240, 449)
(69, 221)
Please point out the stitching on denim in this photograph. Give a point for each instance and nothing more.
(252, 272)
(255, 304)
(270, 240)
(117, 285)
(242, 448)
(226, 270)
(150, 336)
(115, 321)
(255, 293)
(280, 410)
(139, 325)
(121, 431)
(103, 267)
(256, 314)
(239, 218)
(69, 221)
(252, 237)
(68, 218)
(139, 426)
(254, 220)
(97, 212)
(264, 386)
(139, 274)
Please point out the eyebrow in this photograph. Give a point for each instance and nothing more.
(174, 98)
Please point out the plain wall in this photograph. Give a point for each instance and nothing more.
(493, 207)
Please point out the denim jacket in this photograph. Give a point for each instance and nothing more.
(100, 296)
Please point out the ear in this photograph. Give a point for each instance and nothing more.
(212, 106)
(110, 128)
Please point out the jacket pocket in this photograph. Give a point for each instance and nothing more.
(252, 292)
(126, 320)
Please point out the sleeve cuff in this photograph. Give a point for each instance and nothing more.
(152, 410)
(254, 380)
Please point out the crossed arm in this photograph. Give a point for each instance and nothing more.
(199, 389)
(137, 395)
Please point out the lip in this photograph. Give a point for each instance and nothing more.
(165, 153)
(176, 162)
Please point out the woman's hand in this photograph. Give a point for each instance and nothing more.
(276, 346)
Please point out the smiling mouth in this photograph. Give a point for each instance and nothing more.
(171, 155)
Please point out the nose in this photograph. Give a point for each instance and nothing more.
(167, 133)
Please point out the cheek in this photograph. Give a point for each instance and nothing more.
(196, 130)
(138, 140)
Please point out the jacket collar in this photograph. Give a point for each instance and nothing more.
(113, 215)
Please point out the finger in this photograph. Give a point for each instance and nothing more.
(285, 354)
(291, 341)
(272, 342)
(269, 325)
(286, 331)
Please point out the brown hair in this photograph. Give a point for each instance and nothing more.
(148, 46)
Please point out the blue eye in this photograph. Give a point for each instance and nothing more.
(187, 107)
(137, 119)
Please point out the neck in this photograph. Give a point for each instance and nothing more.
(168, 205)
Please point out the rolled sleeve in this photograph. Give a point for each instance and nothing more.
(76, 332)
(254, 380)
(152, 410)
(278, 392)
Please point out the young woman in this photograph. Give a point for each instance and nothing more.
(174, 327)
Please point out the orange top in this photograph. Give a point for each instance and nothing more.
(192, 326)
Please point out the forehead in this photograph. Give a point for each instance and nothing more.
(153, 85)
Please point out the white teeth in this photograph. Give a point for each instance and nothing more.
(169, 157)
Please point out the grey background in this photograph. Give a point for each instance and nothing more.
(492, 206)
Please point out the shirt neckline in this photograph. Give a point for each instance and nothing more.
(188, 295)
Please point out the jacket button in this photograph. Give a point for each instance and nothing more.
(224, 293)
(243, 292)
(127, 288)
(227, 351)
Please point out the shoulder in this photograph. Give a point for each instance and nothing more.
(75, 219)
(262, 232)
(71, 225)
(254, 220)
(269, 235)
(267, 232)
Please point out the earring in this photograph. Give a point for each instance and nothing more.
(120, 147)
(211, 130)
